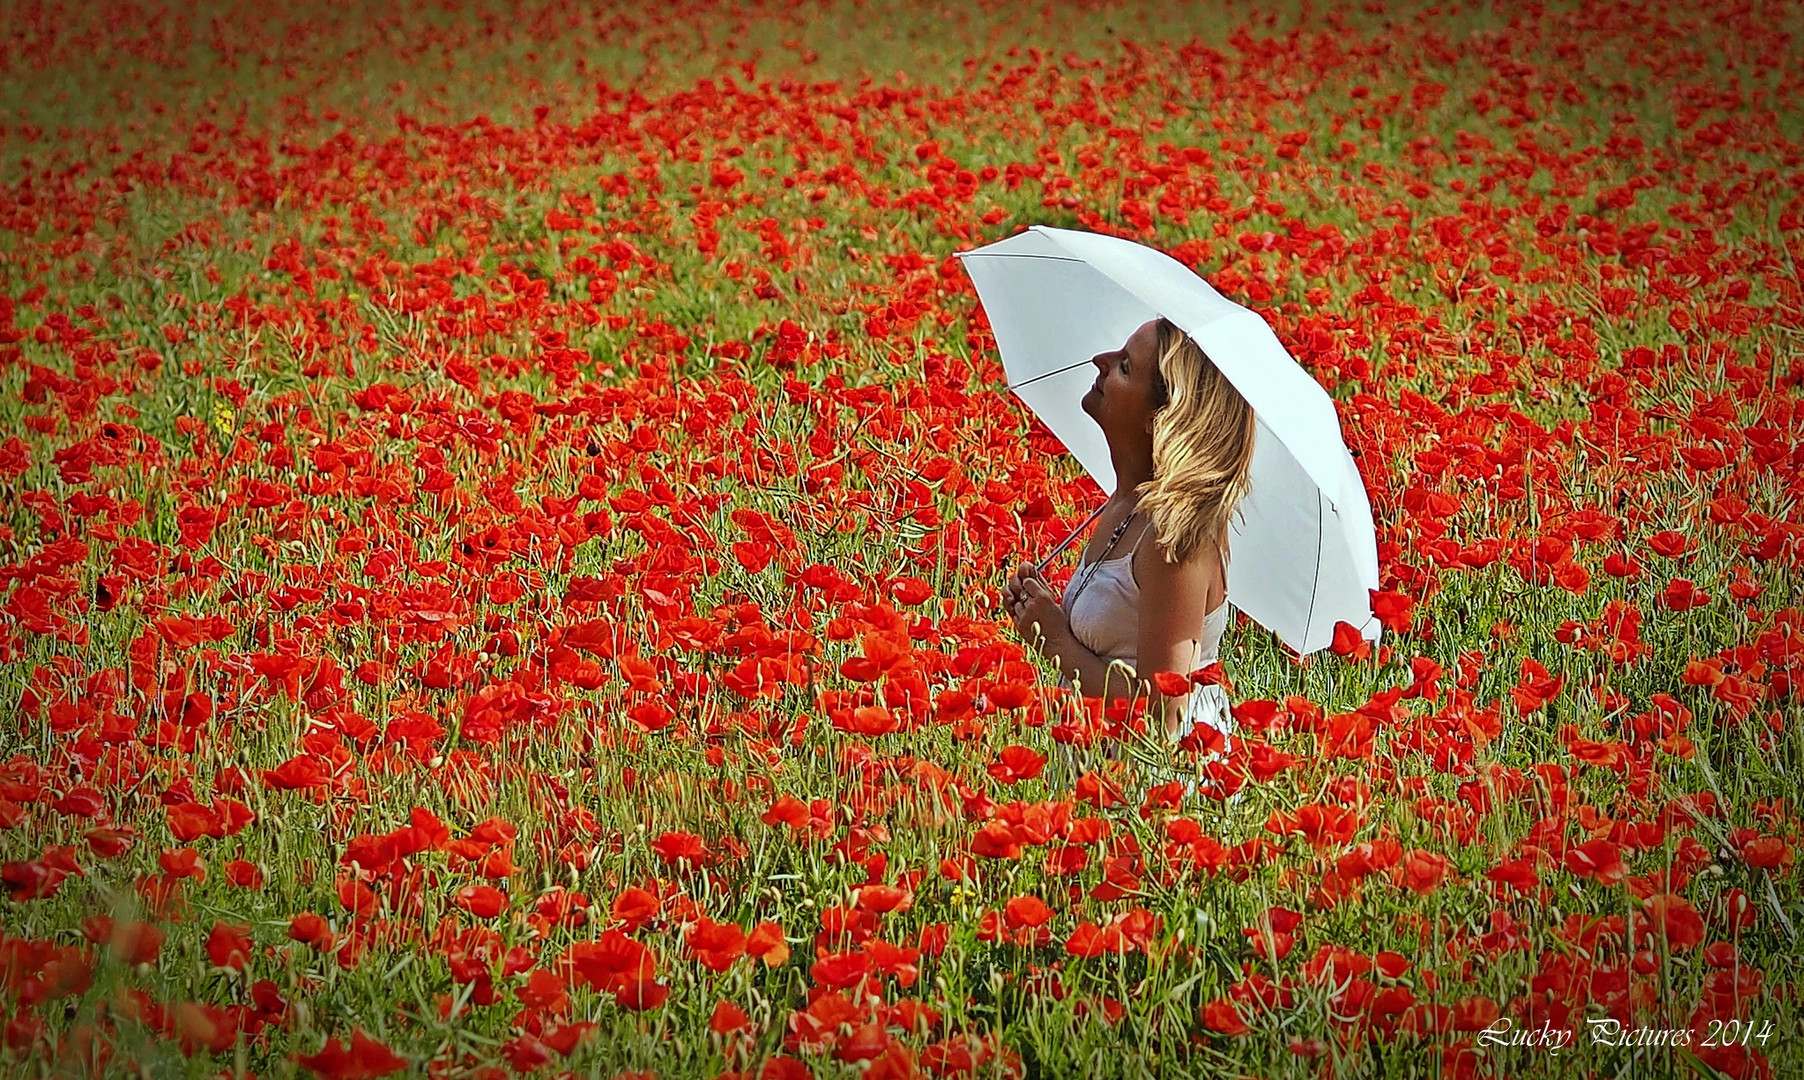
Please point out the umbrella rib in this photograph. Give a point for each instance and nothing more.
(1309, 622)
(1014, 255)
(1047, 375)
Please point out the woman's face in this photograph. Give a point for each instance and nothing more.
(1121, 399)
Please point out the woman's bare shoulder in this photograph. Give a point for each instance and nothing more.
(1152, 570)
(1174, 597)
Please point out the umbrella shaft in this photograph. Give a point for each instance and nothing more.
(1047, 375)
(1040, 567)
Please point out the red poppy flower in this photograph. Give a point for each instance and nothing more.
(1422, 872)
(1537, 686)
(1091, 940)
(1767, 853)
(1681, 594)
(228, 946)
(1670, 544)
(633, 908)
(1519, 874)
(620, 966)
(1597, 859)
(1017, 763)
(728, 1018)
(482, 901)
(1348, 642)
(1098, 792)
(1393, 609)
(882, 899)
(910, 590)
(543, 989)
(211, 1026)
(137, 942)
(786, 810)
(766, 942)
(243, 874)
(362, 1058)
(715, 945)
(1675, 920)
(680, 848)
(1221, 1016)
(299, 773)
(1171, 684)
(996, 840)
(1028, 911)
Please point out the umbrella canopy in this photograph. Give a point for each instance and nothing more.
(1304, 551)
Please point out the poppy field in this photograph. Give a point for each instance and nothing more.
(503, 512)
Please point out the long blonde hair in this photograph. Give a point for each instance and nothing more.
(1203, 433)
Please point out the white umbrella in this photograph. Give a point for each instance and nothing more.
(1304, 552)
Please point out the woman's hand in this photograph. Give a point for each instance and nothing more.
(1030, 601)
(1016, 590)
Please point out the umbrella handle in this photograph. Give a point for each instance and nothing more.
(1040, 567)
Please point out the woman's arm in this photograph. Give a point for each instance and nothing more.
(1042, 622)
(1090, 673)
(1174, 601)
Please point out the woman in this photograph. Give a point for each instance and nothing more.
(1181, 439)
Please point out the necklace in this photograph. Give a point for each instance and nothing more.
(1113, 540)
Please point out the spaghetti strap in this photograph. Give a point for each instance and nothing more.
(1148, 527)
(1129, 557)
(1222, 561)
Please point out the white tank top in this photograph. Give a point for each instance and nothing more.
(1102, 603)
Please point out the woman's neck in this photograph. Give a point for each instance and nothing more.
(1130, 474)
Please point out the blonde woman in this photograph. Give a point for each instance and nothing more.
(1151, 589)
